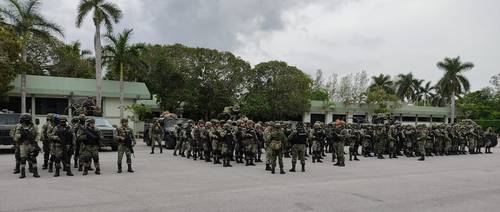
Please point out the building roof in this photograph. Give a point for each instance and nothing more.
(361, 109)
(48, 85)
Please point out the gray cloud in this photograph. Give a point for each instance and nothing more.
(341, 36)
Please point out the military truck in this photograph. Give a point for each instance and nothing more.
(108, 132)
(169, 129)
(8, 121)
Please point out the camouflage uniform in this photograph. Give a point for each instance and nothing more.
(216, 140)
(381, 140)
(25, 135)
(206, 144)
(341, 135)
(227, 138)
(126, 140)
(298, 139)
(62, 138)
(90, 138)
(317, 135)
(156, 136)
(422, 139)
(277, 139)
(179, 145)
(46, 128)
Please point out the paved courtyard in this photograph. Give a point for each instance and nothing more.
(168, 183)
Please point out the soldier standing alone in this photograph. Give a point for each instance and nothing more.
(126, 141)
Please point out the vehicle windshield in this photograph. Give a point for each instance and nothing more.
(169, 122)
(9, 119)
(100, 122)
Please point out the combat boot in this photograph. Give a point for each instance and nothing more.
(97, 170)
(80, 167)
(17, 168)
(56, 174)
(85, 170)
(293, 168)
(268, 167)
(303, 167)
(350, 157)
(422, 158)
(229, 163)
(75, 163)
(336, 164)
(130, 168)
(35, 172)
(380, 156)
(23, 173)
(282, 171)
(218, 161)
(224, 163)
(273, 169)
(251, 163)
(51, 167)
(356, 158)
(319, 160)
(342, 164)
(247, 162)
(175, 153)
(119, 168)
(45, 164)
(69, 173)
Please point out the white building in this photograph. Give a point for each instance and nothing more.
(407, 114)
(46, 94)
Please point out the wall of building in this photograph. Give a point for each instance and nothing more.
(111, 110)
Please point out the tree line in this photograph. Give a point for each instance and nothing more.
(200, 81)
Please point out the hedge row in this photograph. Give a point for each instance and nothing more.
(495, 124)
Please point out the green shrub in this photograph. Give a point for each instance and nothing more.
(495, 124)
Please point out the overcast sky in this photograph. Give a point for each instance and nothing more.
(337, 36)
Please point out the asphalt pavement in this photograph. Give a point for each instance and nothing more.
(163, 182)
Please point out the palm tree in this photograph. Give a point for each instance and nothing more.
(27, 22)
(103, 13)
(405, 86)
(426, 92)
(119, 54)
(382, 82)
(453, 82)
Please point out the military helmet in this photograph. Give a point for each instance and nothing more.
(63, 119)
(90, 121)
(123, 120)
(25, 118)
(316, 125)
(50, 116)
(227, 126)
(208, 124)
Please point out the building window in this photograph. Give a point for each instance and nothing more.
(437, 120)
(317, 117)
(424, 119)
(51, 105)
(13, 103)
(339, 117)
(359, 119)
(408, 118)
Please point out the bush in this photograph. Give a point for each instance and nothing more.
(495, 124)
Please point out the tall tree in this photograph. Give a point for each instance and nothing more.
(426, 93)
(28, 23)
(382, 82)
(119, 54)
(280, 91)
(405, 87)
(453, 82)
(72, 61)
(102, 13)
(10, 49)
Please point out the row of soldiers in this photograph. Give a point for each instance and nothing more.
(62, 141)
(243, 139)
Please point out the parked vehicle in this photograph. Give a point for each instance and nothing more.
(8, 121)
